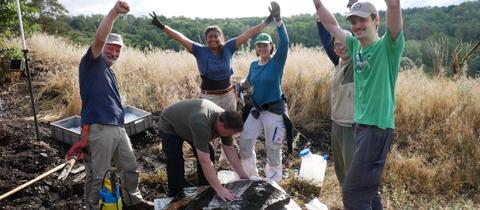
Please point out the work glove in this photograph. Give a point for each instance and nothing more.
(351, 2)
(76, 150)
(275, 10)
(269, 18)
(156, 21)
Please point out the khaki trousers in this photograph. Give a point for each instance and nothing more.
(107, 144)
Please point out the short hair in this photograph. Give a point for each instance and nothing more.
(232, 120)
(374, 16)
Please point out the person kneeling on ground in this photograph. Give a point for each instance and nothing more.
(199, 121)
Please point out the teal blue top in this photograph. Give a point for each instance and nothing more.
(266, 79)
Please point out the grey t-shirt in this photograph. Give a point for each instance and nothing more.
(193, 120)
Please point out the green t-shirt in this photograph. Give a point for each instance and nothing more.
(376, 70)
(193, 120)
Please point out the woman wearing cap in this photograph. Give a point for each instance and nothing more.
(270, 109)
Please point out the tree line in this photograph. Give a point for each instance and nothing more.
(453, 28)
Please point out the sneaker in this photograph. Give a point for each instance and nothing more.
(142, 205)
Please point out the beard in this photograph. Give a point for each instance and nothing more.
(110, 61)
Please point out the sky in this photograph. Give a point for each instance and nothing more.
(228, 8)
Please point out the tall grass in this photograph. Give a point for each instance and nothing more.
(435, 160)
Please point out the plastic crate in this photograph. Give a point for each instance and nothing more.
(137, 120)
(67, 130)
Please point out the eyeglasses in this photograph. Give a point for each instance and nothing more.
(338, 45)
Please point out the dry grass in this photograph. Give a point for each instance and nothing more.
(434, 163)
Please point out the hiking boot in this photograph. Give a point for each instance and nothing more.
(142, 205)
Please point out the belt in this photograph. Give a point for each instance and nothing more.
(218, 92)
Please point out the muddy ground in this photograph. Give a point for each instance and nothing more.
(23, 157)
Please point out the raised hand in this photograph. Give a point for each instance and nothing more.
(269, 18)
(392, 3)
(316, 3)
(351, 2)
(275, 10)
(156, 21)
(121, 7)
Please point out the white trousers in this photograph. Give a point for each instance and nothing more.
(274, 129)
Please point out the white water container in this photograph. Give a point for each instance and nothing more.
(315, 204)
(227, 176)
(313, 167)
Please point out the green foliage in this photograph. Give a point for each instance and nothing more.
(413, 49)
(422, 27)
(37, 15)
(10, 53)
(406, 64)
(8, 15)
(6, 55)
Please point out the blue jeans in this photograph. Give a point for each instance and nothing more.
(362, 182)
(172, 147)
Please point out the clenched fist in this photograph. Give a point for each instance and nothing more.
(121, 7)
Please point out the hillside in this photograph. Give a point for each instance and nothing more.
(434, 163)
(422, 26)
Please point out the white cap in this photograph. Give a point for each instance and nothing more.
(362, 9)
(115, 39)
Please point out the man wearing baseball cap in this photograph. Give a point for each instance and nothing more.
(376, 63)
(104, 138)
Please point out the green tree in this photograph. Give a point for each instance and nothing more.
(37, 15)
(9, 18)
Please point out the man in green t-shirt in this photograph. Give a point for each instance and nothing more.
(199, 121)
(376, 63)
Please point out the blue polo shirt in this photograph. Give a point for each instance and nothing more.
(215, 66)
(101, 103)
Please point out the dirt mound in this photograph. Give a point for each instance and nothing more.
(24, 158)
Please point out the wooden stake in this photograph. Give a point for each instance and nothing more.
(33, 181)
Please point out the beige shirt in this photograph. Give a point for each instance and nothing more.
(342, 94)
(193, 120)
